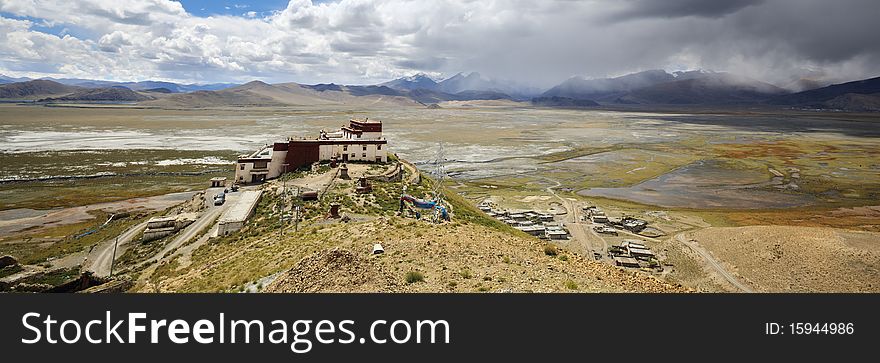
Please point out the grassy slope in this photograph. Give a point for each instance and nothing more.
(472, 253)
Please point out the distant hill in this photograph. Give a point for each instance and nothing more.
(356, 90)
(142, 85)
(566, 102)
(706, 89)
(423, 88)
(426, 96)
(110, 94)
(461, 82)
(608, 89)
(34, 89)
(7, 79)
(158, 90)
(854, 102)
(820, 97)
(259, 93)
(482, 95)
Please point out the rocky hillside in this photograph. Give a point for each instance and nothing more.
(707, 89)
(34, 89)
(112, 94)
(259, 93)
(844, 96)
(854, 102)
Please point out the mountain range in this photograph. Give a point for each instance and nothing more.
(464, 85)
(135, 86)
(653, 87)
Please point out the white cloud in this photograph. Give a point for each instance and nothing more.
(360, 41)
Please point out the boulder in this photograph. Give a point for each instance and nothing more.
(7, 261)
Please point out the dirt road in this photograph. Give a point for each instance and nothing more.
(207, 219)
(583, 239)
(714, 264)
(100, 258)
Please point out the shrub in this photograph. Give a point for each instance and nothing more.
(506, 259)
(571, 285)
(414, 276)
(465, 274)
(550, 250)
(563, 257)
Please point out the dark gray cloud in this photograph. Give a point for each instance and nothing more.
(680, 8)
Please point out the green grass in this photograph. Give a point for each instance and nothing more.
(414, 276)
(10, 270)
(135, 173)
(571, 285)
(61, 240)
(54, 277)
(465, 274)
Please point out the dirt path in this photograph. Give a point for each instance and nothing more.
(207, 219)
(179, 246)
(100, 258)
(583, 239)
(714, 264)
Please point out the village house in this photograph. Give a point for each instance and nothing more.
(360, 140)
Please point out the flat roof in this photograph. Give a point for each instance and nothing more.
(641, 251)
(243, 208)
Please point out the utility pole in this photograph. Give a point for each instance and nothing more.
(280, 211)
(113, 259)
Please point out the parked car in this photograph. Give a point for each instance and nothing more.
(220, 198)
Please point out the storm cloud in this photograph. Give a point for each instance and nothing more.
(358, 41)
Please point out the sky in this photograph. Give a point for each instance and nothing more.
(539, 43)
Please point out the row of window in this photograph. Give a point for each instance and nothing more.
(378, 147)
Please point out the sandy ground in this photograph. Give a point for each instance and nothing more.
(797, 259)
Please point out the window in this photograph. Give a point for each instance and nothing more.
(379, 147)
(352, 154)
(344, 147)
(261, 165)
(365, 147)
(359, 136)
(364, 155)
(242, 166)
